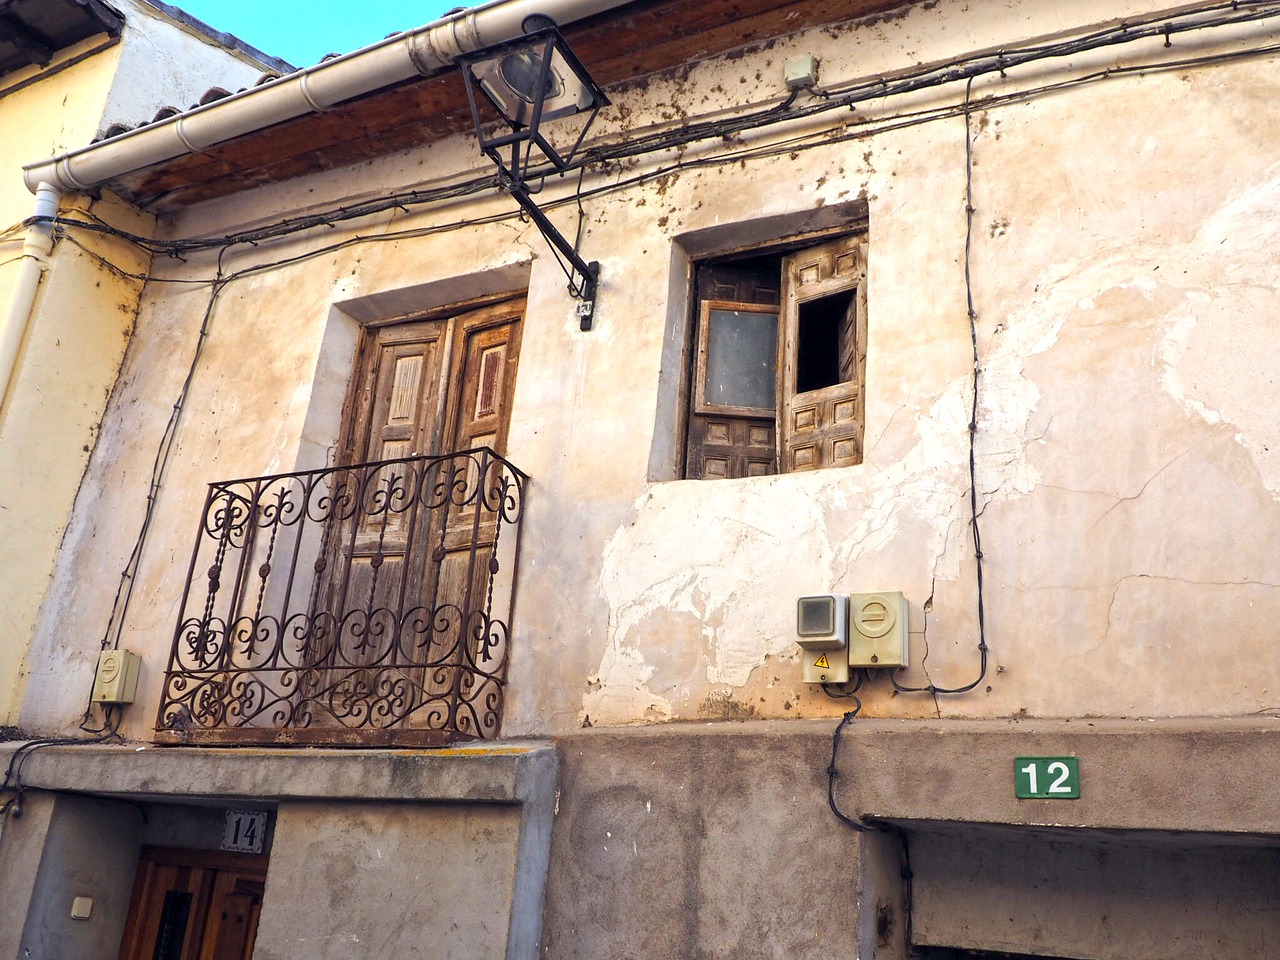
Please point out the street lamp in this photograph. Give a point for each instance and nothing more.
(529, 82)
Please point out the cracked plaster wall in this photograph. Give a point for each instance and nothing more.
(1124, 276)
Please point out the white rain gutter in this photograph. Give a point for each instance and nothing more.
(31, 267)
(423, 51)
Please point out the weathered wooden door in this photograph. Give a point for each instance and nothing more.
(396, 412)
(194, 905)
(409, 565)
(823, 355)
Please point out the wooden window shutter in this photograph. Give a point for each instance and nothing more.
(732, 421)
(823, 355)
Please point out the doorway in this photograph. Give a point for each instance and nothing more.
(401, 631)
(194, 905)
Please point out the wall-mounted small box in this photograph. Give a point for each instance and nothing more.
(801, 72)
(878, 629)
(822, 631)
(117, 677)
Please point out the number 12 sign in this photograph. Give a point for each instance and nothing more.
(1046, 778)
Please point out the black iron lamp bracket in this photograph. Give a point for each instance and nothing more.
(526, 81)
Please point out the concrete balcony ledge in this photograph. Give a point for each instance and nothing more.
(493, 772)
(1203, 775)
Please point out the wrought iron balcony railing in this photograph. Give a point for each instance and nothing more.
(361, 605)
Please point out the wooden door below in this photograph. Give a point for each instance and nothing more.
(194, 905)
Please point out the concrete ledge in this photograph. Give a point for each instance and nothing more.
(1202, 775)
(488, 773)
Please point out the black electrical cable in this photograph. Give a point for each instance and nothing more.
(806, 141)
(833, 772)
(843, 691)
(973, 415)
(128, 576)
(12, 779)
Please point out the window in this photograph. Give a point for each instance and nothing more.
(778, 361)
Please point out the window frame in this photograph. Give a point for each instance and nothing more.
(844, 399)
(700, 402)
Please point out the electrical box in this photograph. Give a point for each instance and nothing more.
(822, 631)
(117, 677)
(878, 629)
(800, 73)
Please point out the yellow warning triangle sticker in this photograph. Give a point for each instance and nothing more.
(822, 662)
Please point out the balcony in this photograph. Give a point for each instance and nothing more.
(365, 605)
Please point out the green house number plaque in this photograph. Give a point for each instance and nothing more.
(1046, 778)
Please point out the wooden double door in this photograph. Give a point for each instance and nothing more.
(434, 385)
(408, 572)
(194, 905)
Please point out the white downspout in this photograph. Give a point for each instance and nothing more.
(34, 262)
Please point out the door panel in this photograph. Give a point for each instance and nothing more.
(732, 416)
(486, 353)
(194, 905)
(824, 347)
(406, 574)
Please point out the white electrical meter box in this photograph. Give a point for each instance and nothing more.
(117, 677)
(878, 629)
(822, 631)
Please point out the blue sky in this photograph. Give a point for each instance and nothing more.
(303, 31)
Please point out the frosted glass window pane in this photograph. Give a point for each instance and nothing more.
(742, 353)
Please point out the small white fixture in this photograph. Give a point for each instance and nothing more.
(81, 907)
(838, 633)
(800, 72)
(822, 631)
(878, 631)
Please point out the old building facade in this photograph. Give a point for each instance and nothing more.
(964, 302)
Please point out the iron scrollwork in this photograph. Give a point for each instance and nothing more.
(351, 604)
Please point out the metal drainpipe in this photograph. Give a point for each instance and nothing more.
(34, 262)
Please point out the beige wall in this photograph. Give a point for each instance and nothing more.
(1123, 272)
(167, 62)
(84, 313)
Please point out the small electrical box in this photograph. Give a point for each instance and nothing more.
(800, 73)
(822, 631)
(117, 677)
(878, 629)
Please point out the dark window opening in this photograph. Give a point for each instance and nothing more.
(824, 342)
(173, 925)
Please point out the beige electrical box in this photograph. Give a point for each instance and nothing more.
(117, 678)
(822, 631)
(878, 629)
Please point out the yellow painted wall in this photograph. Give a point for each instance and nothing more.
(85, 311)
(57, 113)
(83, 316)
(36, 484)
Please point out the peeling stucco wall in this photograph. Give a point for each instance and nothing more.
(1123, 275)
